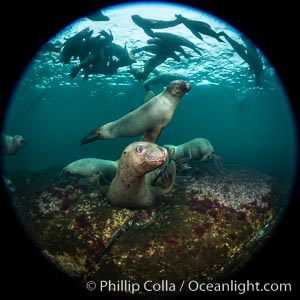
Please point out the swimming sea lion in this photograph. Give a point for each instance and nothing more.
(52, 47)
(74, 46)
(157, 49)
(254, 59)
(40, 96)
(172, 47)
(197, 27)
(198, 149)
(175, 39)
(239, 48)
(98, 16)
(135, 183)
(122, 55)
(163, 78)
(12, 144)
(149, 66)
(94, 169)
(147, 120)
(148, 24)
(248, 53)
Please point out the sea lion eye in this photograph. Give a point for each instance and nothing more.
(139, 148)
(178, 90)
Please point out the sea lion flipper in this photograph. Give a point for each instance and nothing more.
(91, 137)
(219, 163)
(75, 71)
(258, 82)
(151, 135)
(149, 32)
(195, 33)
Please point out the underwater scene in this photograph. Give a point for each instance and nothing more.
(149, 141)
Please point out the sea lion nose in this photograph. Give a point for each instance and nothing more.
(188, 87)
(165, 152)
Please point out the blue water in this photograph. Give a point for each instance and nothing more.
(248, 125)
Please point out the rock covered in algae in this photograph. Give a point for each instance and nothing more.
(201, 231)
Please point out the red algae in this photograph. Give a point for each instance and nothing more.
(201, 230)
(200, 206)
(82, 221)
(171, 241)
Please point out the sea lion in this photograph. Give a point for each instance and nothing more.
(149, 66)
(254, 60)
(98, 16)
(248, 53)
(175, 39)
(40, 96)
(198, 149)
(12, 144)
(94, 169)
(135, 184)
(74, 46)
(148, 24)
(52, 47)
(95, 56)
(157, 49)
(147, 120)
(162, 78)
(240, 49)
(172, 47)
(122, 55)
(105, 57)
(198, 27)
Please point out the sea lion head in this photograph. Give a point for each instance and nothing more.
(179, 17)
(138, 20)
(178, 88)
(19, 141)
(144, 157)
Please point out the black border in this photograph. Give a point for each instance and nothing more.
(29, 25)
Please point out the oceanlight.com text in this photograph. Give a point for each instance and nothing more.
(192, 286)
(239, 287)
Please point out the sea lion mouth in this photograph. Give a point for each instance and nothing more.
(183, 87)
(164, 154)
(188, 87)
(155, 159)
(23, 143)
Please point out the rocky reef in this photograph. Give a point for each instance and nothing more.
(203, 230)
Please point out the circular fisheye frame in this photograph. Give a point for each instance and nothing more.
(141, 149)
